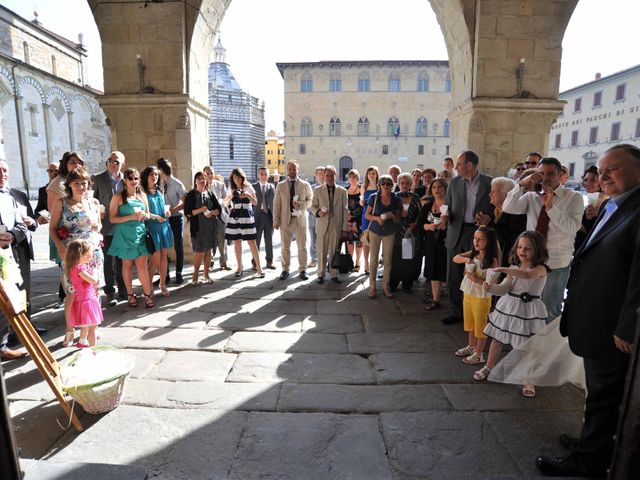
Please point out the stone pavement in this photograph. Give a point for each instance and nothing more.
(258, 378)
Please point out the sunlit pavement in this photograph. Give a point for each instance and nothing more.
(260, 378)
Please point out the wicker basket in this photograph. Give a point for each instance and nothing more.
(101, 396)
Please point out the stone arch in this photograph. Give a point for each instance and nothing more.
(81, 98)
(34, 83)
(4, 71)
(57, 91)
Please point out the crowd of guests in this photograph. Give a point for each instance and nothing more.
(506, 248)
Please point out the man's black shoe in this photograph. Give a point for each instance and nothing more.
(111, 300)
(565, 467)
(451, 319)
(40, 330)
(271, 266)
(179, 279)
(320, 280)
(122, 295)
(569, 442)
(303, 275)
(284, 275)
(12, 340)
(336, 280)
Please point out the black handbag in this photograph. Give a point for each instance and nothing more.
(149, 241)
(343, 262)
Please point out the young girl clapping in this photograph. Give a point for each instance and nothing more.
(477, 301)
(519, 313)
(85, 311)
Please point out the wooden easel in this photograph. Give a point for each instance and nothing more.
(39, 352)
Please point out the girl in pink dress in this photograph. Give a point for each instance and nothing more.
(85, 311)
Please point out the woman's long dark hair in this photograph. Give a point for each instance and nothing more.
(240, 173)
(123, 194)
(493, 248)
(63, 170)
(144, 179)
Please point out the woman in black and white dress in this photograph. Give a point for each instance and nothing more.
(241, 225)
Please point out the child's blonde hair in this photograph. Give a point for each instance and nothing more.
(75, 251)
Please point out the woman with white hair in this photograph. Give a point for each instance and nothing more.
(507, 225)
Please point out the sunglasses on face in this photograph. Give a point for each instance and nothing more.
(386, 184)
(52, 170)
(133, 179)
(520, 169)
(115, 162)
(533, 164)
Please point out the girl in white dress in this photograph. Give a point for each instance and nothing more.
(519, 313)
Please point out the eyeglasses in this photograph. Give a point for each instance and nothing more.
(520, 169)
(386, 184)
(534, 163)
(133, 179)
(52, 170)
(115, 162)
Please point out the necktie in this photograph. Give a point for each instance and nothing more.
(542, 227)
(609, 209)
(292, 192)
(331, 199)
(264, 199)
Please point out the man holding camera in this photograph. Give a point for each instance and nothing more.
(556, 213)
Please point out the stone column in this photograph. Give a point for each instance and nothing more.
(502, 131)
(72, 139)
(22, 141)
(47, 129)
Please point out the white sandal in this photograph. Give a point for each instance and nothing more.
(474, 359)
(482, 374)
(465, 351)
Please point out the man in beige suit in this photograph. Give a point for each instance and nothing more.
(293, 197)
(330, 208)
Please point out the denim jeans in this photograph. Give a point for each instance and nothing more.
(177, 223)
(553, 293)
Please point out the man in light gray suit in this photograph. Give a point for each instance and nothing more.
(263, 214)
(467, 196)
(313, 250)
(105, 184)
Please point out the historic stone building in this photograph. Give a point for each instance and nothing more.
(597, 115)
(353, 114)
(274, 158)
(46, 108)
(236, 125)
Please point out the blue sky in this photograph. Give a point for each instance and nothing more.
(601, 37)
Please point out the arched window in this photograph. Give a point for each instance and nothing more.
(363, 127)
(335, 127)
(393, 127)
(335, 83)
(231, 147)
(25, 50)
(364, 82)
(447, 83)
(394, 83)
(421, 127)
(423, 82)
(306, 127)
(306, 83)
(445, 128)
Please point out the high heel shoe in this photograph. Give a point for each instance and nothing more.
(372, 293)
(149, 303)
(238, 273)
(388, 293)
(132, 300)
(68, 338)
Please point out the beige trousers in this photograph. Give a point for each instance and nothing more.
(374, 253)
(326, 245)
(297, 227)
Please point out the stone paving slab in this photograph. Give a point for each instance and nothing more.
(443, 446)
(193, 366)
(35, 427)
(268, 322)
(146, 393)
(426, 322)
(377, 307)
(314, 294)
(526, 435)
(145, 360)
(38, 470)
(181, 339)
(224, 396)
(120, 337)
(301, 368)
(332, 324)
(310, 446)
(361, 399)
(400, 342)
(162, 319)
(172, 444)
(286, 342)
(438, 367)
(496, 396)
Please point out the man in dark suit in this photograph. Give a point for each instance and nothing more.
(263, 215)
(600, 314)
(105, 185)
(52, 171)
(467, 197)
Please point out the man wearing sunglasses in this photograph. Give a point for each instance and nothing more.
(52, 171)
(105, 185)
(533, 159)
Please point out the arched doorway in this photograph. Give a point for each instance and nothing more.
(344, 165)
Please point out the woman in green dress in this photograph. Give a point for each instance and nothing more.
(128, 212)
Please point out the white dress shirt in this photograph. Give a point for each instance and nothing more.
(565, 219)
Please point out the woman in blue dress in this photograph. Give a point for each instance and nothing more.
(369, 187)
(157, 225)
(128, 212)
